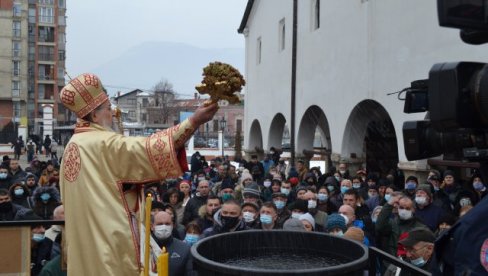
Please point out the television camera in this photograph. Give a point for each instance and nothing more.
(455, 94)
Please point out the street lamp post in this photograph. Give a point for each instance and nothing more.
(223, 125)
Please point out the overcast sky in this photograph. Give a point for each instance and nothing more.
(100, 30)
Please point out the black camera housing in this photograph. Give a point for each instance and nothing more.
(455, 95)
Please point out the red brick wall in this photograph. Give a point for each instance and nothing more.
(6, 4)
(6, 111)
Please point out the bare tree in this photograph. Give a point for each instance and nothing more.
(164, 96)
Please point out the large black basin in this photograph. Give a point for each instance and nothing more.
(300, 253)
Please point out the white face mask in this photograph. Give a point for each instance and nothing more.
(163, 231)
(267, 184)
(345, 218)
(404, 214)
(248, 216)
(420, 200)
(295, 215)
(312, 204)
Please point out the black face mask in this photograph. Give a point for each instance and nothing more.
(5, 207)
(229, 222)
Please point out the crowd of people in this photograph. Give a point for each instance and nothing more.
(401, 216)
(217, 197)
(32, 193)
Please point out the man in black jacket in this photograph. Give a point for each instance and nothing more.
(191, 208)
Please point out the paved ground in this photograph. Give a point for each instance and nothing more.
(42, 157)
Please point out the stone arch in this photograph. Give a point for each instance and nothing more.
(370, 136)
(255, 136)
(275, 137)
(313, 120)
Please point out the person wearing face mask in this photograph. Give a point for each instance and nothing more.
(286, 189)
(226, 190)
(180, 260)
(298, 207)
(419, 246)
(10, 211)
(323, 202)
(267, 189)
(227, 219)
(5, 180)
(390, 226)
(336, 225)
(464, 198)
(193, 232)
(46, 199)
(425, 210)
(338, 198)
(320, 217)
(280, 201)
(250, 214)
(411, 184)
(40, 247)
(478, 187)
(343, 170)
(268, 215)
(20, 195)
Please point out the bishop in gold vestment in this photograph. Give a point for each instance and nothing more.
(100, 176)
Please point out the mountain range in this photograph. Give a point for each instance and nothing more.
(144, 65)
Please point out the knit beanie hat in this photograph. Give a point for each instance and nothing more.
(293, 224)
(448, 173)
(245, 175)
(336, 221)
(355, 233)
(252, 190)
(299, 204)
(308, 218)
(227, 183)
(426, 188)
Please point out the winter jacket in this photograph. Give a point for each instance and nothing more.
(389, 228)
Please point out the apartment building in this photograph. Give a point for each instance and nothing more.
(32, 62)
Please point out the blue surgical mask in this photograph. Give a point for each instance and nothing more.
(387, 197)
(322, 197)
(3, 175)
(266, 219)
(356, 185)
(191, 239)
(419, 262)
(38, 237)
(374, 219)
(279, 204)
(19, 192)
(285, 191)
(331, 188)
(344, 189)
(410, 185)
(45, 196)
(478, 186)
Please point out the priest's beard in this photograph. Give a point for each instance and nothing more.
(108, 124)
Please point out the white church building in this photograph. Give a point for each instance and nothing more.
(349, 55)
